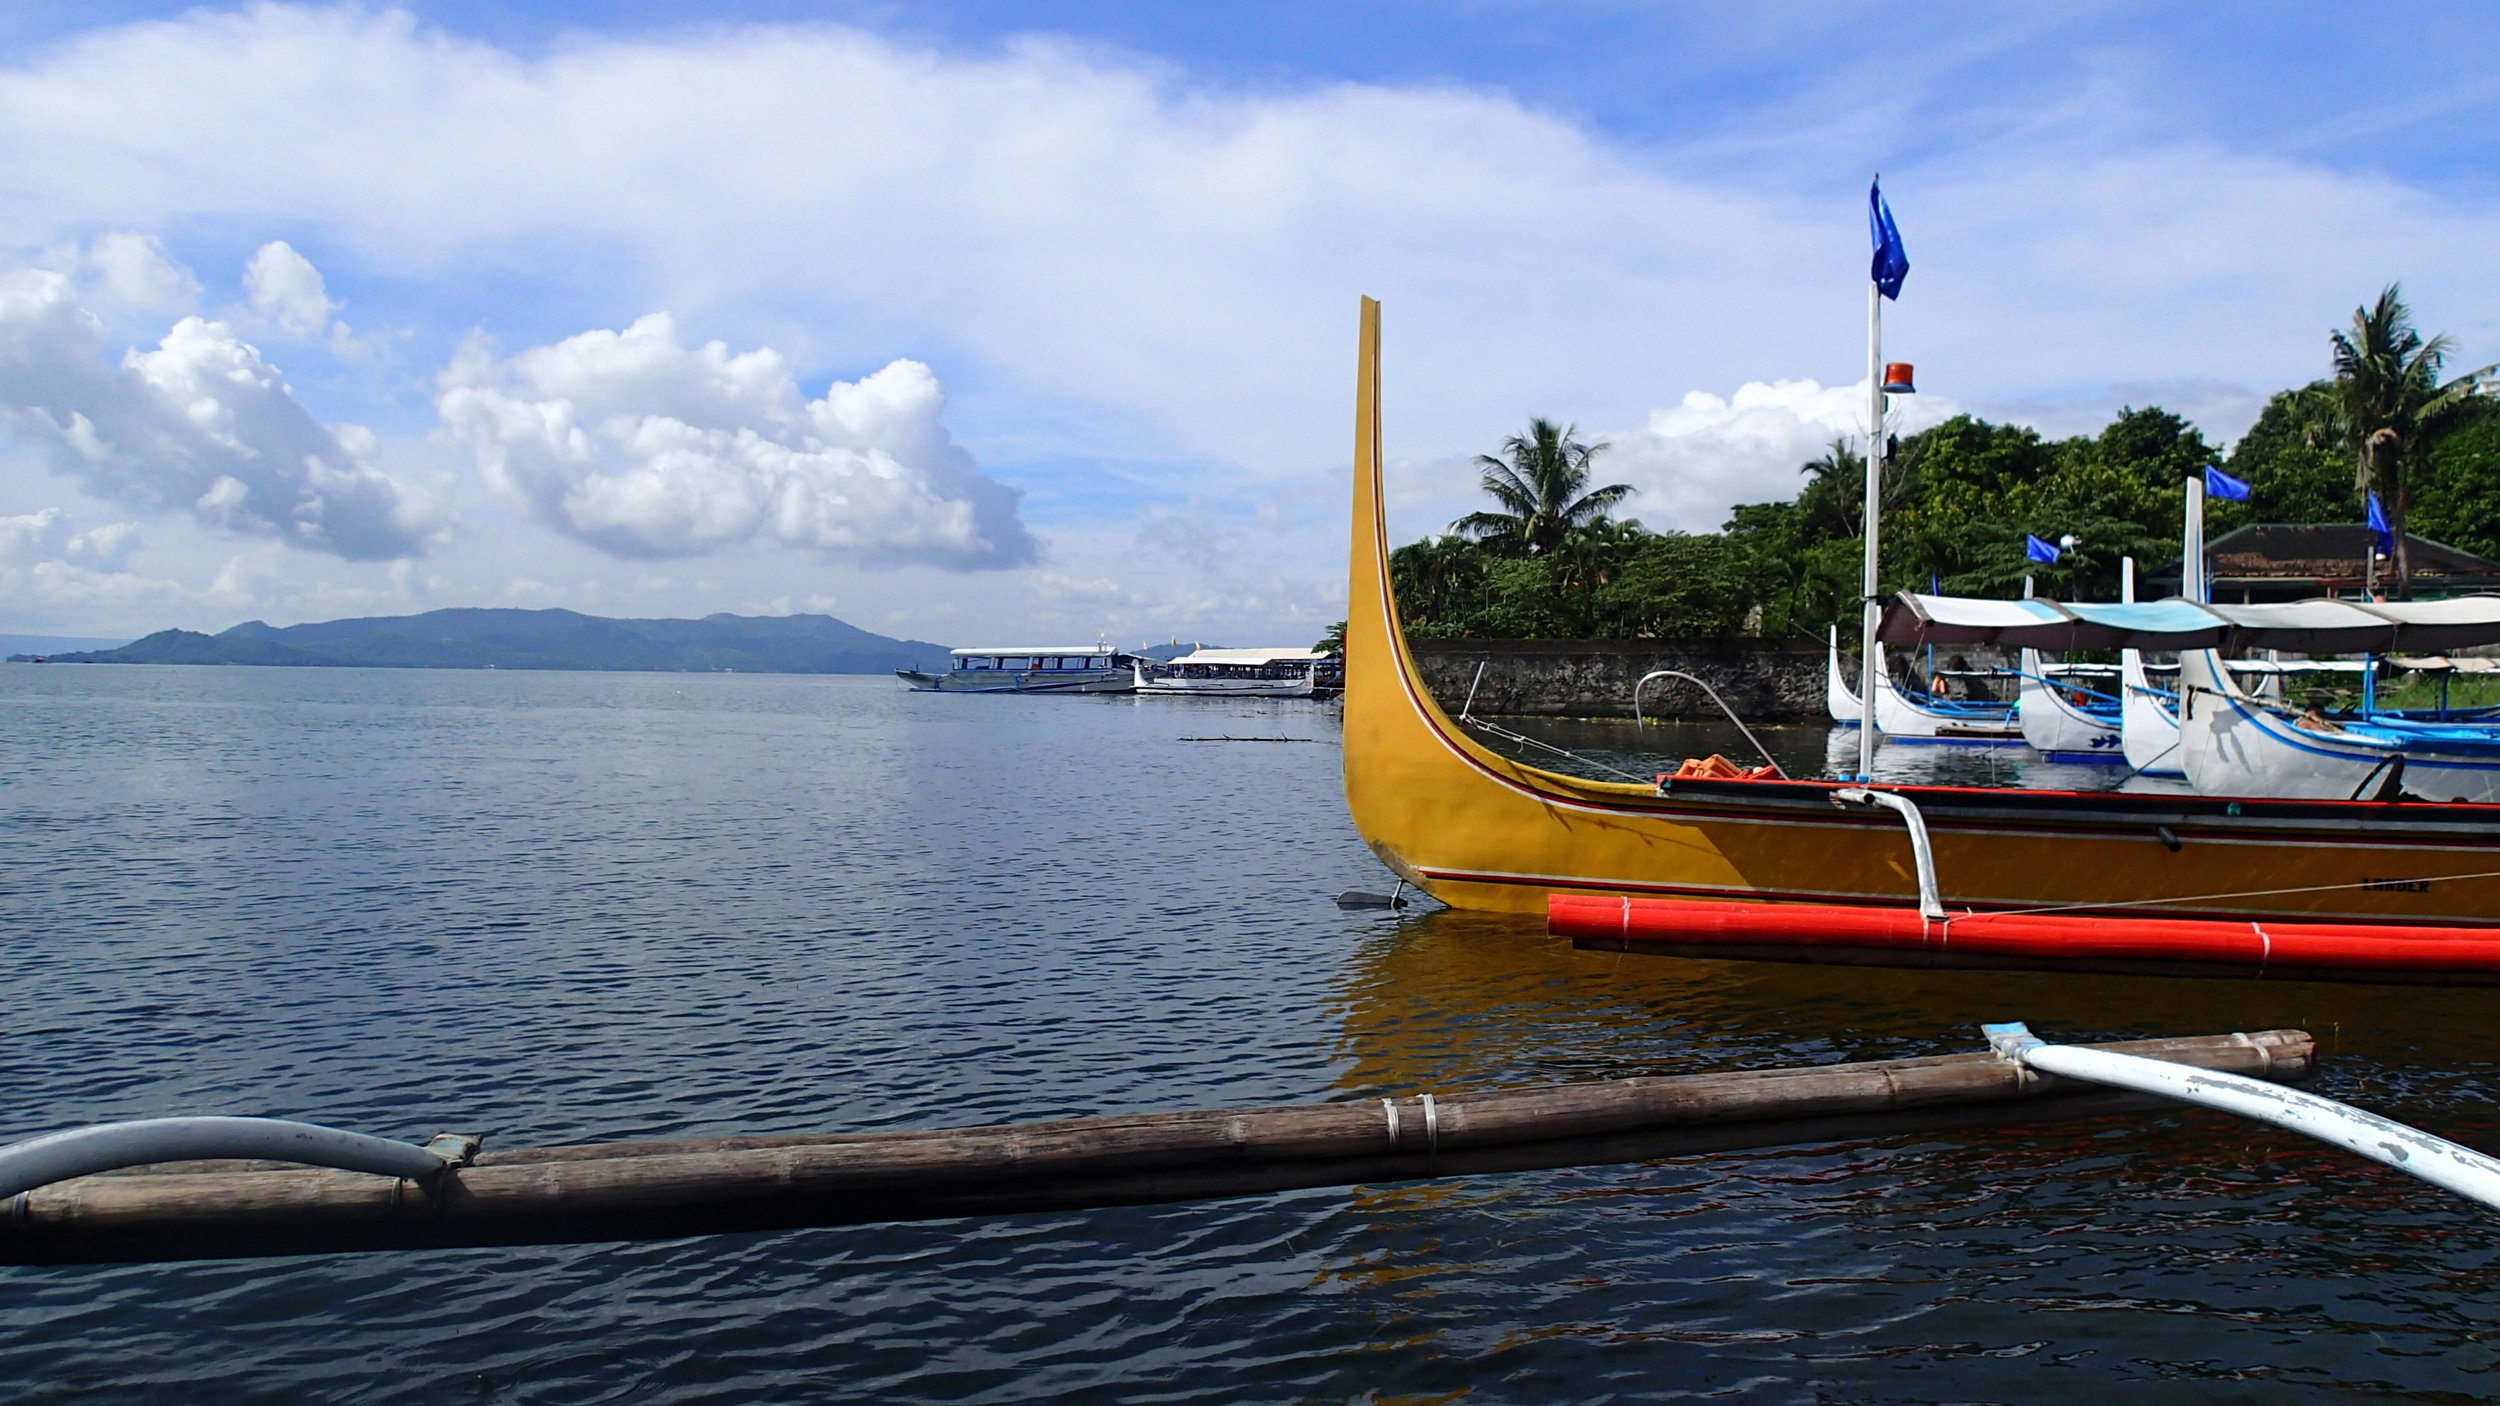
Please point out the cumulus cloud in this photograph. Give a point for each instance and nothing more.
(286, 289)
(644, 447)
(131, 271)
(1691, 460)
(200, 423)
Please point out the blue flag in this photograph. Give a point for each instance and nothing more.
(2221, 485)
(2038, 550)
(2378, 524)
(1892, 262)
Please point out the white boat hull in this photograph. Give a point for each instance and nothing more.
(2230, 745)
(1002, 681)
(1228, 688)
(2148, 723)
(2055, 727)
(1897, 715)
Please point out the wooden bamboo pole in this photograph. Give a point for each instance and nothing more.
(659, 1190)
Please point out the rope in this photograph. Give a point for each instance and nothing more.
(2243, 893)
(1509, 736)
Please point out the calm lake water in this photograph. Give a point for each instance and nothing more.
(563, 907)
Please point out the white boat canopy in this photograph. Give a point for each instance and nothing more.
(1032, 649)
(1253, 658)
(2305, 627)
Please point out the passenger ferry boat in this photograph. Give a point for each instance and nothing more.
(1084, 668)
(1235, 673)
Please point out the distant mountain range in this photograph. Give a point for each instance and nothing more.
(540, 639)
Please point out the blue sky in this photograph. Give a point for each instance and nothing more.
(1036, 319)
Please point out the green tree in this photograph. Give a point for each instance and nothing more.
(2291, 476)
(2385, 400)
(2459, 481)
(1542, 486)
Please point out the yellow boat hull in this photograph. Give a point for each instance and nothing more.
(1476, 829)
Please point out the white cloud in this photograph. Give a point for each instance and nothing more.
(1111, 262)
(643, 447)
(198, 423)
(286, 289)
(1694, 459)
(131, 271)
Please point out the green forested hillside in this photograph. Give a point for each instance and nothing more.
(542, 639)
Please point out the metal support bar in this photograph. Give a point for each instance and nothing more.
(2434, 1159)
(1637, 720)
(1930, 903)
(78, 1152)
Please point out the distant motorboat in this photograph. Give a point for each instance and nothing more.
(1233, 673)
(1088, 668)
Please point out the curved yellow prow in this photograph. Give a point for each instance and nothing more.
(1430, 801)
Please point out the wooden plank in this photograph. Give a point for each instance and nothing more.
(665, 1189)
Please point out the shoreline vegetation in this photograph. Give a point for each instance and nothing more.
(1959, 501)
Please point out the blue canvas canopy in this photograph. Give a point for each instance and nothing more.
(2304, 627)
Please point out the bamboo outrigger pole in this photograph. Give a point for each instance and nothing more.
(666, 1190)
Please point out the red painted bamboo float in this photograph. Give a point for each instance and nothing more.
(1863, 935)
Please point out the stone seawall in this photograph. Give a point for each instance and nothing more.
(1763, 680)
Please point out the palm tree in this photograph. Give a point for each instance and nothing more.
(2385, 401)
(1541, 482)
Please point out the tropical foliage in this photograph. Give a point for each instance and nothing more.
(1958, 501)
(1541, 482)
(2386, 402)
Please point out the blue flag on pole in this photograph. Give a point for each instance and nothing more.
(1892, 262)
(2221, 485)
(2038, 550)
(2378, 524)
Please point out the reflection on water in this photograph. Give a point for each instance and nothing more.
(562, 907)
(1621, 750)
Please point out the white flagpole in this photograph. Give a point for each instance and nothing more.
(1870, 672)
(2192, 550)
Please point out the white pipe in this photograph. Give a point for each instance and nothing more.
(2434, 1159)
(1930, 903)
(41, 1161)
(2126, 580)
(1870, 668)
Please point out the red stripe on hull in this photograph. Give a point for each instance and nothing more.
(1823, 932)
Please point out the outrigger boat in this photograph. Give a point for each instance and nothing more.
(2371, 889)
(2148, 720)
(2234, 743)
(1900, 715)
(2068, 729)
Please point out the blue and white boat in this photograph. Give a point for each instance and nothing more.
(1086, 668)
(1915, 717)
(2148, 719)
(2063, 720)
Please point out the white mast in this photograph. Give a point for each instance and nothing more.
(1870, 673)
(2192, 585)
